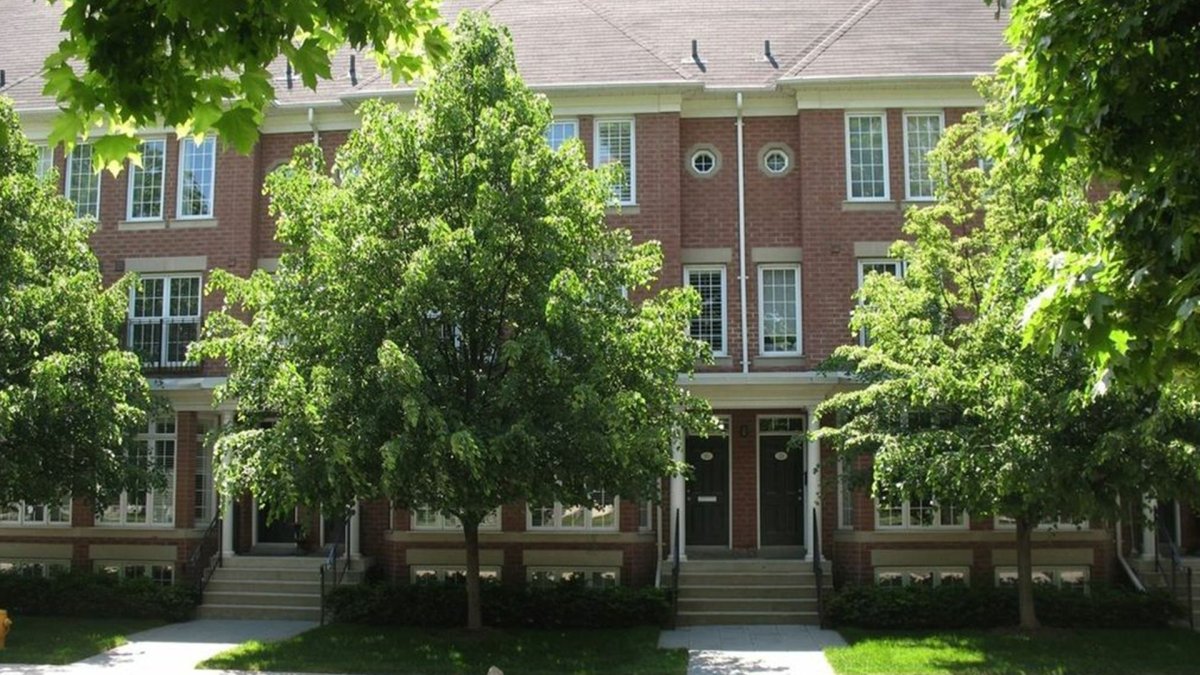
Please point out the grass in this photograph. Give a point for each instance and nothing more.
(57, 640)
(1058, 651)
(354, 648)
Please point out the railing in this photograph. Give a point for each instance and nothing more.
(337, 562)
(1177, 571)
(818, 573)
(675, 574)
(206, 557)
(161, 343)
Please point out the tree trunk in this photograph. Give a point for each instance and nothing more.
(1028, 613)
(474, 612)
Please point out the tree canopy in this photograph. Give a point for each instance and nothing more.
(453, 325)
(70, 398)
(202, 66)
(957, 411)
(1113, 88)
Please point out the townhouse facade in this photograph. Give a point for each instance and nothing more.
(772, 152)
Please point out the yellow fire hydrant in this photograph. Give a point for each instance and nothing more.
(5, 626)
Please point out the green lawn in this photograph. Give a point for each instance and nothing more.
(350, 648)
(57, 640)
(1058, 651)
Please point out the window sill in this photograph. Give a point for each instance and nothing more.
(917, 203)
(176, 224)
(140, 225)
(788, 361)
(625, 210)
(192, 223)
(880, 205)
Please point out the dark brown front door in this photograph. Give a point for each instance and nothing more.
(781, 492)
(274, 530)
(708, 491)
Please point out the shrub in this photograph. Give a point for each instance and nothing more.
(562, 606)
(95, 595)
(953, 607)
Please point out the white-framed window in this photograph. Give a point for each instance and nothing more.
(560, 131)
(603, 516)
(34, 567)
(646, 515)
(147, 182)
(866, 157)
(591, 577)
(918, 514)
(845, 497)
(161, 572)
(1048, 523)
(709, 282)
(197, 177)
(450, 573)
(922, 131)
(779, 310)
(83, 184)
(37, 515)
(703, 162)
(899, 577)
(204, 508)
(164, 318)
(1075, 578)
(45, 160)
(425, 518)
(145, 506)
(776, 161)
(868, 266)
(615, 142)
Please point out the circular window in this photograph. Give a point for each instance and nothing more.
(703, 162)
(776, 161)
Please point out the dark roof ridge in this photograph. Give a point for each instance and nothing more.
(835, 31)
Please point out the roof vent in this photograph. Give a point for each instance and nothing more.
(768, 56)
(3, 78)
(289, 75)
(353, 72)
(696, 57)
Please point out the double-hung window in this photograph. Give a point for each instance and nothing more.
(197, 177)
(603, 516)
(709, 326)
(918, 514)
(779, 309)
(866, 157)
(146, 182)
(164, 318)
(561, 131)
(615, 144)
(143, 505)
(869, 266)
(83, 184)
(922, 131)
(203, 507)
(33, 515)
(45, 160)
(425, 518)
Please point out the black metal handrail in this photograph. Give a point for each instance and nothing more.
(675, 574)
(337, 562)
(1172, 575)
(206, 557)
(818, 572)
(154, 359)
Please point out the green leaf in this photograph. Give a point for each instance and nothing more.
(239, 128)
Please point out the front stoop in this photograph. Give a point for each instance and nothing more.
(269, 587)
(747, 591)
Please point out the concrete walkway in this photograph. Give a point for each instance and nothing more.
(750, 650)
(174, 648)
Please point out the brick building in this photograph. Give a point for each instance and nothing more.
(772, 151)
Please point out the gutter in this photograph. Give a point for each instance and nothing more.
(879, 79)
(741, 177)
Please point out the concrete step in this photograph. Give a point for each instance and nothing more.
(308, 600)
(745, 579)
(689, 591)
(756, 605)
(745, 618)
(221, 584)
(258, 612)
(273, 562)
(747, 565)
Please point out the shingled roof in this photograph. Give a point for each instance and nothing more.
(613, 44)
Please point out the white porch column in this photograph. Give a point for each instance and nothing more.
(355, 540)
(812, 483)
(1149, 540)
(678, 497)
(227, 501)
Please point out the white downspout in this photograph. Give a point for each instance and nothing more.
(312, 122)
(741, 174)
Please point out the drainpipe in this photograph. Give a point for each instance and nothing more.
(741, 174)
(312, 122)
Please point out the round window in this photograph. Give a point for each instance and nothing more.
(704, 162)
(776, 161)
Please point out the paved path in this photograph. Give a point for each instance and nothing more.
(174, 648)
(753, 650)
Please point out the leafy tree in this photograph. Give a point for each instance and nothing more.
(1114, 88)
(70, 398)
(448, 325)
(956, 410)
(202, 66)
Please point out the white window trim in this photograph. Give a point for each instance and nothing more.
(573, 121)
(70, 161)
(199, 316)
(47, 564)
(44, 147)
(862, 276)
(941, 115)
(1057, 524)
(586, 570)
(99, 565)
(162, 186)
(212, 207)
(1055, 572)
(489, 524)
(724, 302)
(906, 571)
(632, 152)
(21, 522)
(907, 525)
(887, 173)
(762, 335)
(587, 521)
(485, 571)
(148, 438)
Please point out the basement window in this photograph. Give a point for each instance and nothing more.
(899, 577)
(591, 577)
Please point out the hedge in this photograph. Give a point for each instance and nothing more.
(951, 607)
(566, 605)
(95, 594)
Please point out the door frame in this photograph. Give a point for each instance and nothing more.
(758, 471)
(254, 521)
(726, 424)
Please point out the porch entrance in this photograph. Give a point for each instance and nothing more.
(707, 492)
(780, 482)
(273, 530)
